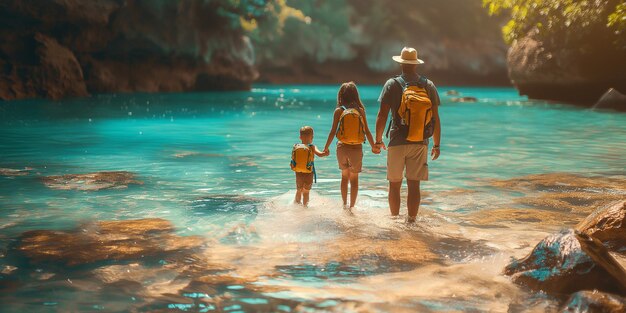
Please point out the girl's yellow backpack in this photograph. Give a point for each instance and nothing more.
(351, 130)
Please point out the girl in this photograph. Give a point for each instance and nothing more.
(350, 127)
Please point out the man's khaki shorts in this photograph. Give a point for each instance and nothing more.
(304, 180)
(413, 157)
(350, 157)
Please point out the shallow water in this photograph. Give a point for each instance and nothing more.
(216, 165)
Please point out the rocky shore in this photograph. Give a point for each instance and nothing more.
(580, 262)
(60, 49)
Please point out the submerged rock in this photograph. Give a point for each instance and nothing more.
(594, 301)
(464, 99)
(514, 216)
(611, 99)
(608, 224)
(15, 172)
(91, 181)
(564, 191)
(568, 262)
(105, 240)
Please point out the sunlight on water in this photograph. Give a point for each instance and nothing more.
(216, 166)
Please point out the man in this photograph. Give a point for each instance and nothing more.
(403, 154)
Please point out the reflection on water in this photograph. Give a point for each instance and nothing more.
(215, 166)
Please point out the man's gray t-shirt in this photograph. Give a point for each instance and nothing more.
(392, 96)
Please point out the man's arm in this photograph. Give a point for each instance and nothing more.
(381, 121)
(434, 153)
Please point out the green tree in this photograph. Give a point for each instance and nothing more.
(563, 22)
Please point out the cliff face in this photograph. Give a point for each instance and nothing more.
(570, 51)
(68, 48)
(72, 48)
(575, 75)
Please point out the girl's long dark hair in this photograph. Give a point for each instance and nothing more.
(348, 94)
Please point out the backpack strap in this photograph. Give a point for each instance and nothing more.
(403, 84)
(293, 156)
(312, 163)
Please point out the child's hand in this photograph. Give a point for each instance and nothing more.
(326, 152)
(376, 148)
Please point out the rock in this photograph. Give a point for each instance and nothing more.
(452, 93)
(8, 269)
(564, 191)
(105, 241)
(464, 99)
(15, 172)
(607, 224)
(52, 71)
(611, 99)
(67, 48)
(505, 217)
(593, 301)
(572, 74)
(61, 74)
(568, 262)
(91, 181)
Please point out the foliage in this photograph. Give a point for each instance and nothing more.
(563, 22)
(320, 31)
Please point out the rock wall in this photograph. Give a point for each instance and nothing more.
(577, 74)
(69, 48)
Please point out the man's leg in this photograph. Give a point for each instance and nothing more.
(395, 169)
(413, 199)
(394, 197)
(354, 188)
(345, 179)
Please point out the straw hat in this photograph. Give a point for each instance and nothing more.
(407, 56)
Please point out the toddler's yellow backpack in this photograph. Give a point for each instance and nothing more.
(415, 110)
(302, 159)
(351, 129)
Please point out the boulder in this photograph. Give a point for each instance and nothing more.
(91, 181)
(565, 73)
(567, 262)
(611, 99)
(608, 224)
(105, 241)
(464, 99)
(593, 301)
(48, 69)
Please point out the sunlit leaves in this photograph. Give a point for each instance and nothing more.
(565, 21)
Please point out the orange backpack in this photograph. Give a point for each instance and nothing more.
(351, 129)
(415, 110)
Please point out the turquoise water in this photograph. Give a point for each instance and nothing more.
(216, 164)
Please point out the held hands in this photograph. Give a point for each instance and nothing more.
(326, 152)
(377, 147)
